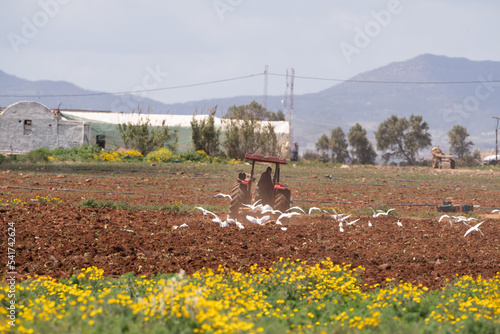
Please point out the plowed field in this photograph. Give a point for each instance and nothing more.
(58, 239)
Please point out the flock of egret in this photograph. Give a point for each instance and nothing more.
(256, 208)
(465, 221)
(340, 218)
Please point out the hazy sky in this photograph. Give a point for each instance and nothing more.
(125, 45)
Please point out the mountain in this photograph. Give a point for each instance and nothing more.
(471, 98)
(48, 93)
(471, 105)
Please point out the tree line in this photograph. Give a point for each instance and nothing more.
(244, 131)
(400, 139)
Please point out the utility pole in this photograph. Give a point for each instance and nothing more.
(290, 75)
(496, 139)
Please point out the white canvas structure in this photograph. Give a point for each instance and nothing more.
(157, 119)
(104, 123)
(26, 126)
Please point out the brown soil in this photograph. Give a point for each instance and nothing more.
(58, 240)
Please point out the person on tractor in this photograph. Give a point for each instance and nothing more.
(266, 186)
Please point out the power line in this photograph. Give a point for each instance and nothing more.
(256, 75)
(142, 90)
(387, 82)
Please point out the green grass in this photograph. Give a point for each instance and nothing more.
(174, 206)
(95, 204)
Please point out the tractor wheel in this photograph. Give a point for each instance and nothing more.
(282, 202)
(237, 198)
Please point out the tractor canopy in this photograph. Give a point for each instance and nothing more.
(261, 158)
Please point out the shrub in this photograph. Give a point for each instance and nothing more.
(93, 204)
(86, 152)
(38, 155)
(2, 158)
(470, 160)
(175, 206)
(198, 156)
(81, 153)
(48, 200)
(219, 160)
(145, 137)
(161, 155)
(205, 135)
(311, 155)
(131, 155)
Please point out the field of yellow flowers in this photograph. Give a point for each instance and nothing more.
(289, 297)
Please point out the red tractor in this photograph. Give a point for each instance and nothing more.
(242, 189)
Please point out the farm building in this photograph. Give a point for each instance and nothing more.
(26, 126)
(105, 126)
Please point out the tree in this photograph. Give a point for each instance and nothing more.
(362, 151)
(246, 133)
(323, 146)
(205, 135)
(146, 138)
(471, 160)
(333, 148)
(459, 145)
(254, 110)
(403, 138)
(338, 145)
(278, 116)
(268, 140)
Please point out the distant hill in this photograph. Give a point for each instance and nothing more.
(46, 91)
(441, 105)
(368, 98)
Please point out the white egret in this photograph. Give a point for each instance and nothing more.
(296, 208)
(475, 228)
(259, 221)
(314, 209)
(206, 212)
(253, 206)
(286, 215)
(224, 195)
